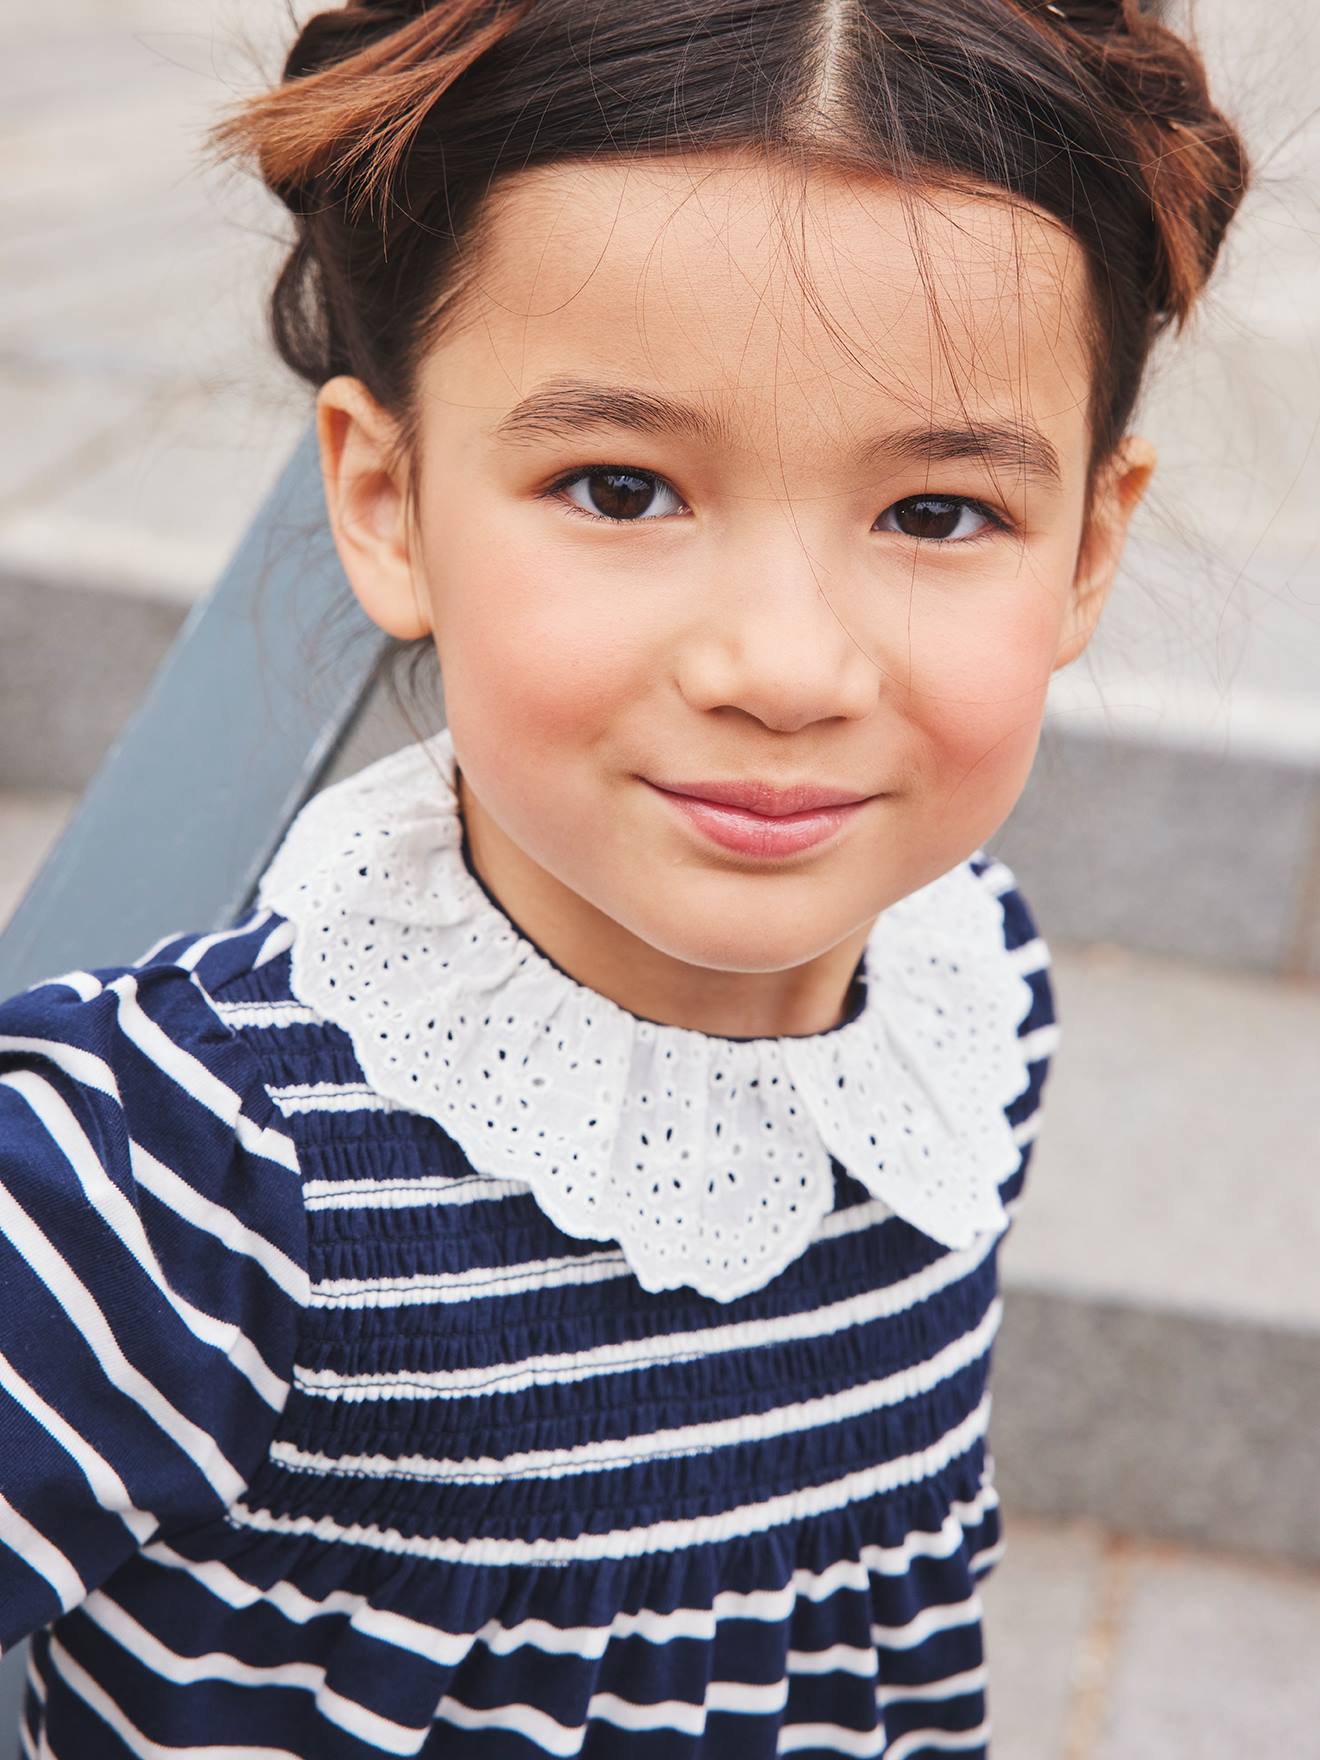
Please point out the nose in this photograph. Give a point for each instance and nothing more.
(772, 638)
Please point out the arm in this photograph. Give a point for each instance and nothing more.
(152, 1271)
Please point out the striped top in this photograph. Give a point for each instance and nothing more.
(316, 1442)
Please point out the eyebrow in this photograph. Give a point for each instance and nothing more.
(570, 406)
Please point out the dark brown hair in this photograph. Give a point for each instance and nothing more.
(396, 117)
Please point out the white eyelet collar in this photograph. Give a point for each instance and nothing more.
(706, 1159)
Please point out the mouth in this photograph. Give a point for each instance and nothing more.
(760, 819)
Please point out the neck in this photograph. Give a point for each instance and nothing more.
(597, 951)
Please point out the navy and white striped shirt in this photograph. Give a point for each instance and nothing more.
(316, 1442)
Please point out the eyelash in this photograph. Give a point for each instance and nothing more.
(998, 523)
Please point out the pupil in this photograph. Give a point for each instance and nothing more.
(928, 516)
(623, 495)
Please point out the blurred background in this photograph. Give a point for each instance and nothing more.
(1157, 1384)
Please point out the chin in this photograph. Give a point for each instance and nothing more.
(739, 937)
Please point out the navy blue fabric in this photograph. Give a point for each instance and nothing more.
(315, 1442)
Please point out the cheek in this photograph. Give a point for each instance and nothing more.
(973, 670)
(527, 657)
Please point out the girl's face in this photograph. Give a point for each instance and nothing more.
(727, 478)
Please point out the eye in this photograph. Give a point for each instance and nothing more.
(941, 519)
(617, 493)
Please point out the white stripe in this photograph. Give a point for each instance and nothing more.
(999, 878)
(679, 1714)
(837, 1659)
(753, 1518)
(238, 1349)
(462, 1286)
(643, 1448)
(85, 1315)
(122, 1219)
(265, 1014)
(95, 1695)
(189, 958)
(547, 1732)
(952, 1741)
(299, 1609)
(590, 1642)
(277, 942)
(937, 1618)
(108, 1488)
(37, 1688)
(145, 959)
(1029, 1129)
(85, 1067)
(196, 1080)
(367, 1725)
(1031, 957)
(972, 1680)
(398, 1194)
(45, 1558)
(296, 1097)
(605, 1707)
(862, 1743)
(193, 954)
(1041, 1042)
(83, 983)
(984, 1561)
(177, 1195)
(562, 1367)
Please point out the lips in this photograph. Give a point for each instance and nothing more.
(767, 799)
(762, 820)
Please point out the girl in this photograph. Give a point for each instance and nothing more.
(529, 1286)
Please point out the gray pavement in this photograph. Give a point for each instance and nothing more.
(146, 412)
(1105, 1647)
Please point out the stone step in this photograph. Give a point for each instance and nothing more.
(1159, 1360)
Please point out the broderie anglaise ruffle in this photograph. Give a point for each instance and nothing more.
(706, 1159)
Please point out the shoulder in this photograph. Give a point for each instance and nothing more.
(1029, 953)
(1022, 936)
(172, 995)
(137, 1065)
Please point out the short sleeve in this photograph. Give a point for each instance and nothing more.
(153, 1268)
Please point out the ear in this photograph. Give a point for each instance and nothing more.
(366, 500)
(1118, 491)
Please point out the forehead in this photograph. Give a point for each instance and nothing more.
(798, 301)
